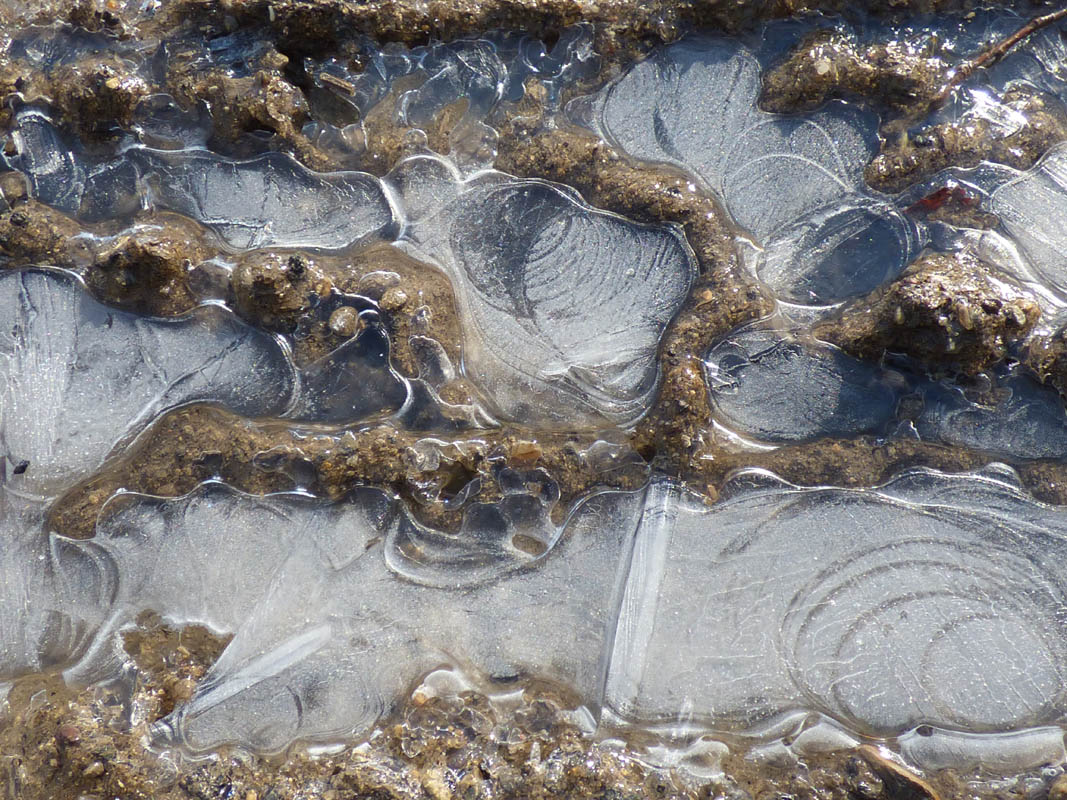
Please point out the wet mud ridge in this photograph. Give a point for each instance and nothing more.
(425, 400)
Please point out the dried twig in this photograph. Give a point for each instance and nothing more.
(995, 53)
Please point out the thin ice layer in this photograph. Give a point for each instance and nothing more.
(794, 182)
(934, 599)
(775, 387)
(54, 593)
(1027, 421)
(268, 201)
(77, 377)
(368, 601)
(562, 305)
(693, 104)
(1032, 208)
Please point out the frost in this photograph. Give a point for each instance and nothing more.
(794, 182)
(77, 378)
(563, 306)
(935, 599)
(774, 387)
(1031, 207)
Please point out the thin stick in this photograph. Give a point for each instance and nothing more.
(996, 52)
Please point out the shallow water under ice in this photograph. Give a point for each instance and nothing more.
(933, 603)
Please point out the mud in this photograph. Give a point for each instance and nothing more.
(947, 311)
(829, 63)
(911, 157)
(199, 443)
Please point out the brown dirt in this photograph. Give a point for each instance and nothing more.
(946, 311)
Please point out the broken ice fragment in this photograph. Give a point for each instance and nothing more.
(563, 305)
(693, 104)
(1032, 208)
(775, 387)
(933, 599)
(77, 377)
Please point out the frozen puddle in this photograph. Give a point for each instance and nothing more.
(795, 183)
(933, 600)
(775, 387)
(563, 305)
(78, 378)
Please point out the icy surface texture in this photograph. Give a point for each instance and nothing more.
(934, 599)
(54, 593)
(563, 305)
(353, 382)
(794, 182)
(1032, 208)
(77, 378)
(776, 387)
(480, 73)
(367, 601)
(1025, 420)
(268, 201)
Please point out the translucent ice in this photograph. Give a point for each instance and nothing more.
(563, 305)
(1028, 421)
(54, 593)
(693, 105)
(269, 201)
(934, 599)
(54, 170)
(1032, 208)
(369, 601)
(794, 182)
(847, 249)
(77, 378)
(775, 387)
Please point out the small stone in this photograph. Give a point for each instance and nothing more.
(394, 299)
(94, 770)
(67, 734)
(1058, 789)
(523, 452)
(345, 321)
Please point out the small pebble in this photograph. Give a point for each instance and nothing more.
(67, 734)
(344, 321)
(94, 770)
